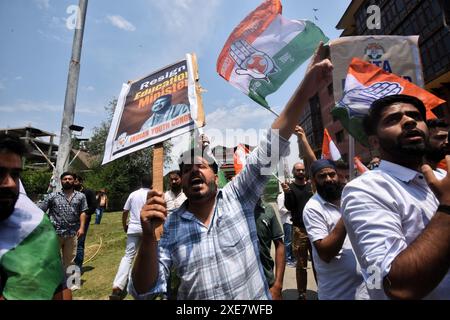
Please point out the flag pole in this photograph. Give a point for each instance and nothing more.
(351, 155)
(270, 109)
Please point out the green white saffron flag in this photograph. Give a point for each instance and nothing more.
(265, 49)
(29, 254)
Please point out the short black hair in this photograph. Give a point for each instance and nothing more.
(177, 172)
(370, 122)
(437, 123)
(188, 157)
(78, 177)
(147, 181)
(68, 173)
(12, 144)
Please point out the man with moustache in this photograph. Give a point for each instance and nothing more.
(30, 265)
(296, 195)
(67, 211)
(211, 241)
(338, 274)
(437, 144)
(174, 196)
(398, 216)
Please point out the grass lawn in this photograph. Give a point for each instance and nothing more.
(100, 270)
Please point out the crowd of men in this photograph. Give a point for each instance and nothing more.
(385, 234)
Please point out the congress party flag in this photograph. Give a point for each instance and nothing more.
(265, 49)
(366, 83)
(359, 166)
(329, 149)
(29, 254)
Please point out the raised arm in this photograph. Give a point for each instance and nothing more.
(304, 145)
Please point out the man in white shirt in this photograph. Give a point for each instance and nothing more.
(338, 273)
(133, 228)
(174, 196)
(398, 216)
(286, 221)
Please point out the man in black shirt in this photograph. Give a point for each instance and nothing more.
(296, 195)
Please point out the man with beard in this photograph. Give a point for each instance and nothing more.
(67, 212)
(30, 265)
(337, 270)
(398, 216)
(174, 196)
(437, 144)
(211, 241)
(296, 195)
(92, 205)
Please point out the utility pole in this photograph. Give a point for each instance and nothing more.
(65, 142)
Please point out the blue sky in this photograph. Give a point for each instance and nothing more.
(125, 40)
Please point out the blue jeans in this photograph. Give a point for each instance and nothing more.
(79, 258)
(287, 229)
(98, 215)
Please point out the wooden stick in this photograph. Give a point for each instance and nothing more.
(157, 172)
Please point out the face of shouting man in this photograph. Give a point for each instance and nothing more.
(199, 180)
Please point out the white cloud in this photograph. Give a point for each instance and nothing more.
(42, 4)
(49, 36)
(88, 88)
(242, 116)
(29, 106)
(121, 23)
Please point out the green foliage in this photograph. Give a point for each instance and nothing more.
(35, 182)
(271, 190)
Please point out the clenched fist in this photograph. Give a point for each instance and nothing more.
(153, 213)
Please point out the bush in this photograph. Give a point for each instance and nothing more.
(35, 182)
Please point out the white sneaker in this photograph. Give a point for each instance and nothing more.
(74, 287)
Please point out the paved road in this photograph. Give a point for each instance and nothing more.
(290, 283)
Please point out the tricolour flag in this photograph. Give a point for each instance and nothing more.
(329, 149)
(366, 83)
(265, 49)
(29, 254)
(240, 156)
(359, 166)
